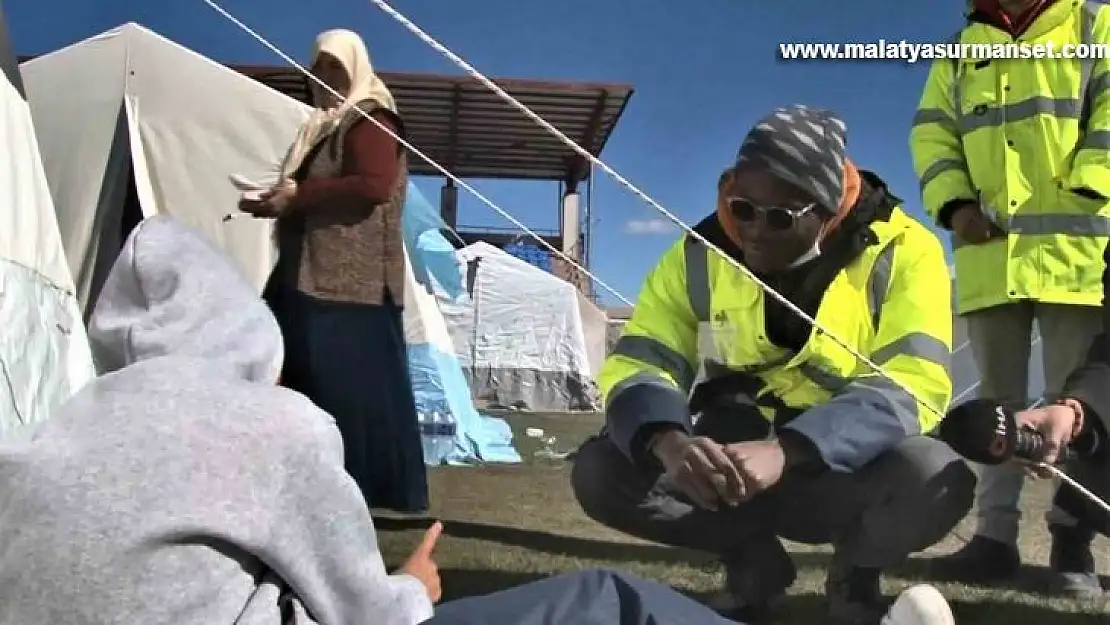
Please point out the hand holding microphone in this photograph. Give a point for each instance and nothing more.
(986, 432)
(1057, 424)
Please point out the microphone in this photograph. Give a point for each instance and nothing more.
(984, 431)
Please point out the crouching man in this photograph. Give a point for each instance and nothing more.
(795, 437)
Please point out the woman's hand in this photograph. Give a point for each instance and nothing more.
(280, 197)
(256, 208)
(272, 203)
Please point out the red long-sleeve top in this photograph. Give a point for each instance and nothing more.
(370, 170)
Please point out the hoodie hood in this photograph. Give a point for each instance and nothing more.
(170, 293)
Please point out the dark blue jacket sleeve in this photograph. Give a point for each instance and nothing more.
(643, 406)
(854, 427)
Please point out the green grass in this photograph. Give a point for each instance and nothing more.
(508, 525)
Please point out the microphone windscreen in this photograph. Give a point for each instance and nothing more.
(981, 430)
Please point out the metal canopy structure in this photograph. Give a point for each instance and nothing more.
(465, 127)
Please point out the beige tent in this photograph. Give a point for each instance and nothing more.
(156, 128)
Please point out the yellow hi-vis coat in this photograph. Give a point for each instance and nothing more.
(891, 304)
(1029, 139)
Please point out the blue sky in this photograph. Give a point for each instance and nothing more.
(703, 71)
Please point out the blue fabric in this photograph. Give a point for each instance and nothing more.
(532, 254)
(431, 254)
(436, 259)
(580, 598)
(460, 435)
(647, 403)
(418, 215)
(452, 431)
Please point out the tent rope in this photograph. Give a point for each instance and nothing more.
(443, 170)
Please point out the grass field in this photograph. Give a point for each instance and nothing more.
(512, 524)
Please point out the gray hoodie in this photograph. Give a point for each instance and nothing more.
(183, 486)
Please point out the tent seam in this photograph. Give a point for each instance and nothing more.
(42, 276)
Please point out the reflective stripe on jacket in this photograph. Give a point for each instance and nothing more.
(891, 304)
(1026, 139)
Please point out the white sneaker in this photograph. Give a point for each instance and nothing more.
(920, 605)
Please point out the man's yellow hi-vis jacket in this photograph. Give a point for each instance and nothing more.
(891, 302)
(1029, 140)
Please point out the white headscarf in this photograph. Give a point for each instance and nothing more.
(348, 48)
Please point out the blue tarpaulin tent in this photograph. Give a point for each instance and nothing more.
(452, 429)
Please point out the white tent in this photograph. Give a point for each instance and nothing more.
(151, 126)
(44, 351)
(521, 335)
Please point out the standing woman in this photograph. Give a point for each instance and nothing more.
(338, 287)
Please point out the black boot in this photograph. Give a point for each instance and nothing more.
(1073, 564)
(756, 579)
(981, 561)
(855, 597)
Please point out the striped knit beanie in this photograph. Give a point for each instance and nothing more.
(803, 146)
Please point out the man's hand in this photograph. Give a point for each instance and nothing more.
(761, 464)
(972, 226)
(700, 469)
(421, 565)
(1057, 423)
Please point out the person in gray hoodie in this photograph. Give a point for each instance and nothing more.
(184, 485)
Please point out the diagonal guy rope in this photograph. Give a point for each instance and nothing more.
(443, 170)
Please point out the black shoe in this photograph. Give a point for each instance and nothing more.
(981, 561)
(755, 581)
(854, 597)
(1073, 564)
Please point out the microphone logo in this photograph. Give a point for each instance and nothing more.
(997, 447)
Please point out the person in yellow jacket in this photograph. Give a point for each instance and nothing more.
(1013, 157)
(794, 436)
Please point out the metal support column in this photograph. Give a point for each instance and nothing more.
(449, 204)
